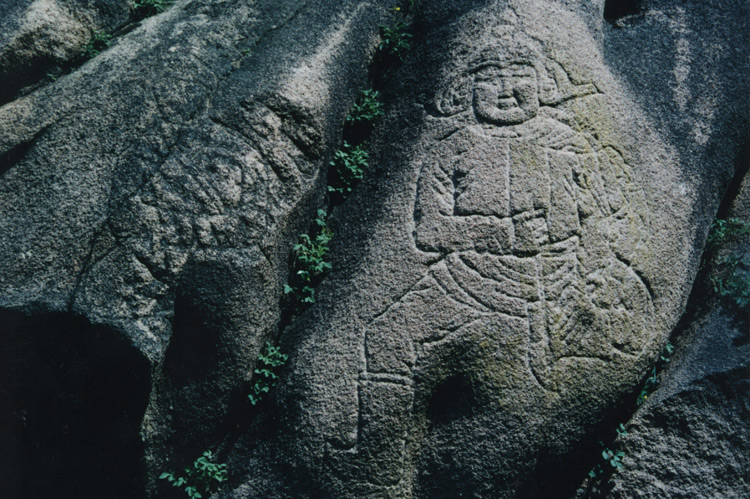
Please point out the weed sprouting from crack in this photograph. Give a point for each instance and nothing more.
(99, 41)
(269, 360)
(200, 480)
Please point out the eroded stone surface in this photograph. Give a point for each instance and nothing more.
(509, 277)
(156, 191)
(524, 242)
(692, 436)
(38, 35)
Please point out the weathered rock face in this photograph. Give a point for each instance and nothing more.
(540, 193)
(39, 35)
(517, 264)
(149, 202)
(692, 437)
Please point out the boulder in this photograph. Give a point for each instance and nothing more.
(45, 37)
(522, 246)
(691, 438)
(515, 263)
(149, 201)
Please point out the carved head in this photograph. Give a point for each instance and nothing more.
(507, 83)
(506, 93)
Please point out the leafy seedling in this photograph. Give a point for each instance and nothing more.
(265, 377)
(100, 40)
(367, 107)
(347, 169)
(395, 42)
(723, 230)
(309, 262)
(202, 479)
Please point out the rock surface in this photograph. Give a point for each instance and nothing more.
(42, 36)
(518, 260)
(524, 243)
(150, 200)
(692, 436)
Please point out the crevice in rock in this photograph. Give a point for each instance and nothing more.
(741, 170)
(701, 298)
(72, 397)
(23, 79)
(702, 295)
(563, 476)
(10, 158)
(615, 10)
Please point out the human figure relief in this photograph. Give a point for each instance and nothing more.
(518, 205)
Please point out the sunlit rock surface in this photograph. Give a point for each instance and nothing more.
(520, 250)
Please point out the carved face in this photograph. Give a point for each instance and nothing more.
(507, 94)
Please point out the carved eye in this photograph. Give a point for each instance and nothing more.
(488, 73)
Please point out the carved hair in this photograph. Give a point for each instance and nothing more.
(554, 83)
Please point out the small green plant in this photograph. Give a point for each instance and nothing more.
(348, 165)
(146, 8)
(648, 387)
(310, 262)
(100, 40)
(395, 41)
(202, 480)
(54, 74)
(723, 230)
(612, 458)
(265, 373)
(621, 431)
(732, 279)
(367, 107)
(652, 382)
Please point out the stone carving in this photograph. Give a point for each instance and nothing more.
(179, 168)
(517, 205)
(490, 302)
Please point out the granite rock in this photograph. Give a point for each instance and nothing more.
(149, 201)
(524, 243)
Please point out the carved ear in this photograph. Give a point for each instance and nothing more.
(456, 97)
(555, 85)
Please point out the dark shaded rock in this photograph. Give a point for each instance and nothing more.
(692, 436)
(41, 36)
(155, 193)
(72, 397)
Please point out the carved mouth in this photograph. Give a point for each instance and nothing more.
(506, 103)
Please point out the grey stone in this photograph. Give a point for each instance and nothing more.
(150, 200)
(691, 438)
(37, 36)
(524, 243)
(520, 257)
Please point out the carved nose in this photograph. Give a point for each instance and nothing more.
(506, 96)
(508, 102)
(504, 89)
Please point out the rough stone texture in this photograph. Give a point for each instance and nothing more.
(521, 254)
(692, 436)
(539, 196)
(149, 202)
(37, 35)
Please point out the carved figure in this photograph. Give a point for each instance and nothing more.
(518, 205)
